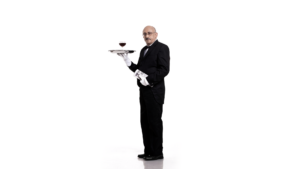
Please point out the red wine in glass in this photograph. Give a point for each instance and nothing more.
(122, 44)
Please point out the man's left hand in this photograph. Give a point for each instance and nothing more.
(144, 81)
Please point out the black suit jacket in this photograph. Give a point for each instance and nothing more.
(156, 64)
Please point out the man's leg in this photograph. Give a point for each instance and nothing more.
(154, 128)
(144, 124)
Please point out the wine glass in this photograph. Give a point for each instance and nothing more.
(122, 43)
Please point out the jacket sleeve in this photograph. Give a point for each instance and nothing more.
(163, 66)
(133, 67)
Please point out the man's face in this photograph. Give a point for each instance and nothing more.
(149, 35)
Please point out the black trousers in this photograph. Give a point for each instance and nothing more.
(151, 122)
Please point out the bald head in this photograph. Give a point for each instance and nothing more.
(150, 28)
(149, 34)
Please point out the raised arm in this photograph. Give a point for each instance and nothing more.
(133, 67)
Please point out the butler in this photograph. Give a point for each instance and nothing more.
(154, 61)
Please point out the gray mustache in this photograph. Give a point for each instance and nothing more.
(147, 39)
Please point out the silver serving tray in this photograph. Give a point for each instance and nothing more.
(122, 51)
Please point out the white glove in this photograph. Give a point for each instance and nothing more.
(126, 58)
(143, 81)
(136, 74)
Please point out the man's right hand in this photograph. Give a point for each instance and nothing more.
(126, 58)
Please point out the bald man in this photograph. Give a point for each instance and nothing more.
(154, 61)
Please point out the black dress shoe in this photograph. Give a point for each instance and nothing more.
(150, 157)
(141, 155)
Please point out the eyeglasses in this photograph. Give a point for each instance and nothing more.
(149, 33)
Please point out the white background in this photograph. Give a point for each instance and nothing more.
(232, 94)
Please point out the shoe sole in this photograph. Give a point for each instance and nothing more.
(154, 159)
